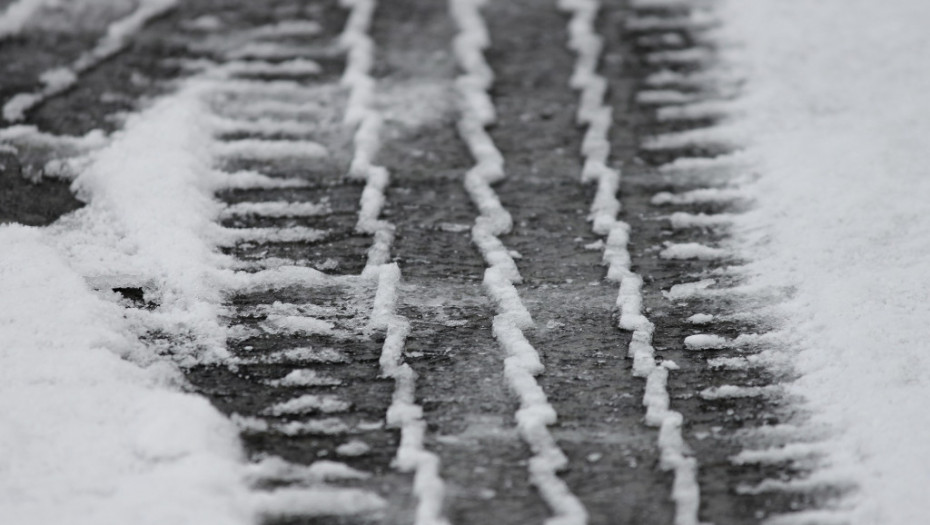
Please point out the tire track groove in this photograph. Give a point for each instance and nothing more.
(597, 116)
(523, 362)
(403, 413)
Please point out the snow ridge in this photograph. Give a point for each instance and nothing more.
(594, 114)
(523, 361)
(58, 80)
(403, 413)
(367, 121)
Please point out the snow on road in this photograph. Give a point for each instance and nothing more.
(523, 362)
(836, 114)
(58, 80)
(100, 428)
(597, 117)
(15, 16)
(96, 437)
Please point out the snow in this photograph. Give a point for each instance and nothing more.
(91, 424)
(277, 209)
(275, 468)
(705, 342)
(367, 121)
(330, 426)
(700, 196)
(149, 221)
(308, 403)
(233, 236)
(661, 97)
(298, 325)
(688, 290)
(353, 448)
(596, 115)
(266, 127)
(303, 377)
(289, 28)
(319, 501)
(692, 250)
(59, 79)
(250, 180)
(835, 112)
(736, 391)
(699, 319)
(711, 109)
(261, 149)
(114, 438)
(697, 19)
(682, 220)
(694, 56)
(297, 67)
(403, 413)
(270, 51)
(523, 362)
(794, 452)
(719, 137)
(17, 13)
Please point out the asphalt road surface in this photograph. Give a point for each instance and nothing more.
(469, 404)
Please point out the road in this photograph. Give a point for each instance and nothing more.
(430, 384)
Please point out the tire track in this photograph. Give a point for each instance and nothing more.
(523, 361)
(596, 149)
(404, 412)
(304, 382)
(707, 320)
(451, 344)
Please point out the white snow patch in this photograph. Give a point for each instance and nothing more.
(705, 342)
(59, 79)
(700, 196)
(308, 403)
(692, 250)
(318, 501)
(277, 209)
(700, 319)
(353, 448)
(303, 377)
(592, 112)
(266, 149)
(250, 180)
(681, 220)
(298, 356)
(688, 290)
(736, 391)
(17, 14)
(86, 431)
(837, 114)
(664, 97)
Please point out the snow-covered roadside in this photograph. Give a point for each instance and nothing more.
(93, 425)
(835, 112)
(85, 434)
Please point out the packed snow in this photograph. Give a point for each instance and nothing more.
(835, 112)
